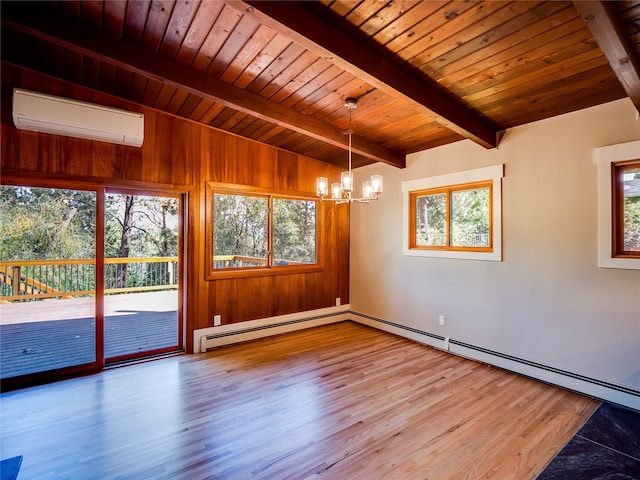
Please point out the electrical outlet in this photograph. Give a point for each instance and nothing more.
(338, 301)
(442, 319)
(217, 320)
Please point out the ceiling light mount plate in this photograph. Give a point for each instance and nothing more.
(351, 103)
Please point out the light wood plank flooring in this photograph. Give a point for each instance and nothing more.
(342, 401)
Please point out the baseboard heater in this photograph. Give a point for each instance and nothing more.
(208, 338)
(593, 387)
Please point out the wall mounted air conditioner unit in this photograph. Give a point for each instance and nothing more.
(63, 116)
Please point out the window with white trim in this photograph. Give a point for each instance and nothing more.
(618, 205)
(456, 215)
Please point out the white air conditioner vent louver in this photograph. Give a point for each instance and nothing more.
(63, 116)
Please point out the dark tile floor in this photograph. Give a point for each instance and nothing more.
(10, 467)
(607, 447)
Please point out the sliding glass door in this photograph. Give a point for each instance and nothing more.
(48, 279)
(87, 277)
(141, 275)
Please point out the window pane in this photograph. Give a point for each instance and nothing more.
(141, 237)
(47, 275)
(240, 231)
(631, 182)
(470, 218)
(431, 229)
(294, 231)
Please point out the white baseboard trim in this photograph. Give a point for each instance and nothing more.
(591, 387)
(212, 337)
(571, 381)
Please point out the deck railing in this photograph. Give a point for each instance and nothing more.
(241, 261)
(28, 280)
(237, 261)
(140, 274)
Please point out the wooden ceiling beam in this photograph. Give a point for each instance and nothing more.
(294, 21)
(74, 37)
(607, 28)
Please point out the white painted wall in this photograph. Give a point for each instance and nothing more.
(547, 301)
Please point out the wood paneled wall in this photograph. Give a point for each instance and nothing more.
(181, 156)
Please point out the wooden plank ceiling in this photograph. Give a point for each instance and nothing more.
(425, 73)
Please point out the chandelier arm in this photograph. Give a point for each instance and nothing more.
(338, 201)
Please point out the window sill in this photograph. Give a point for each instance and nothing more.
(229, 273)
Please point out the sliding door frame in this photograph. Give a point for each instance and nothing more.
(181, 277)
(38, 180)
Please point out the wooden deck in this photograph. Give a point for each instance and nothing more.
(52, 334)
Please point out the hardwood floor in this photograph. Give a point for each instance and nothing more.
(342, 401)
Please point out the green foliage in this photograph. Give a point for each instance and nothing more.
(241, 225)
(632, 224)
(44, 223)
(40, 223)
(140, 226)
(431, 226)
(468, 217)
(57, 224)
(632, 213)
(294, 230)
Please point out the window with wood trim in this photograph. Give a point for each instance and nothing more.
(457, 217)
(251, 232)
(626, 209)
(454, 215)
(610, 229)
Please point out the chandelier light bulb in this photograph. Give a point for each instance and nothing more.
(336, 193)
(376, 184)
(367, 191)
(322, 186)
(346, 181)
